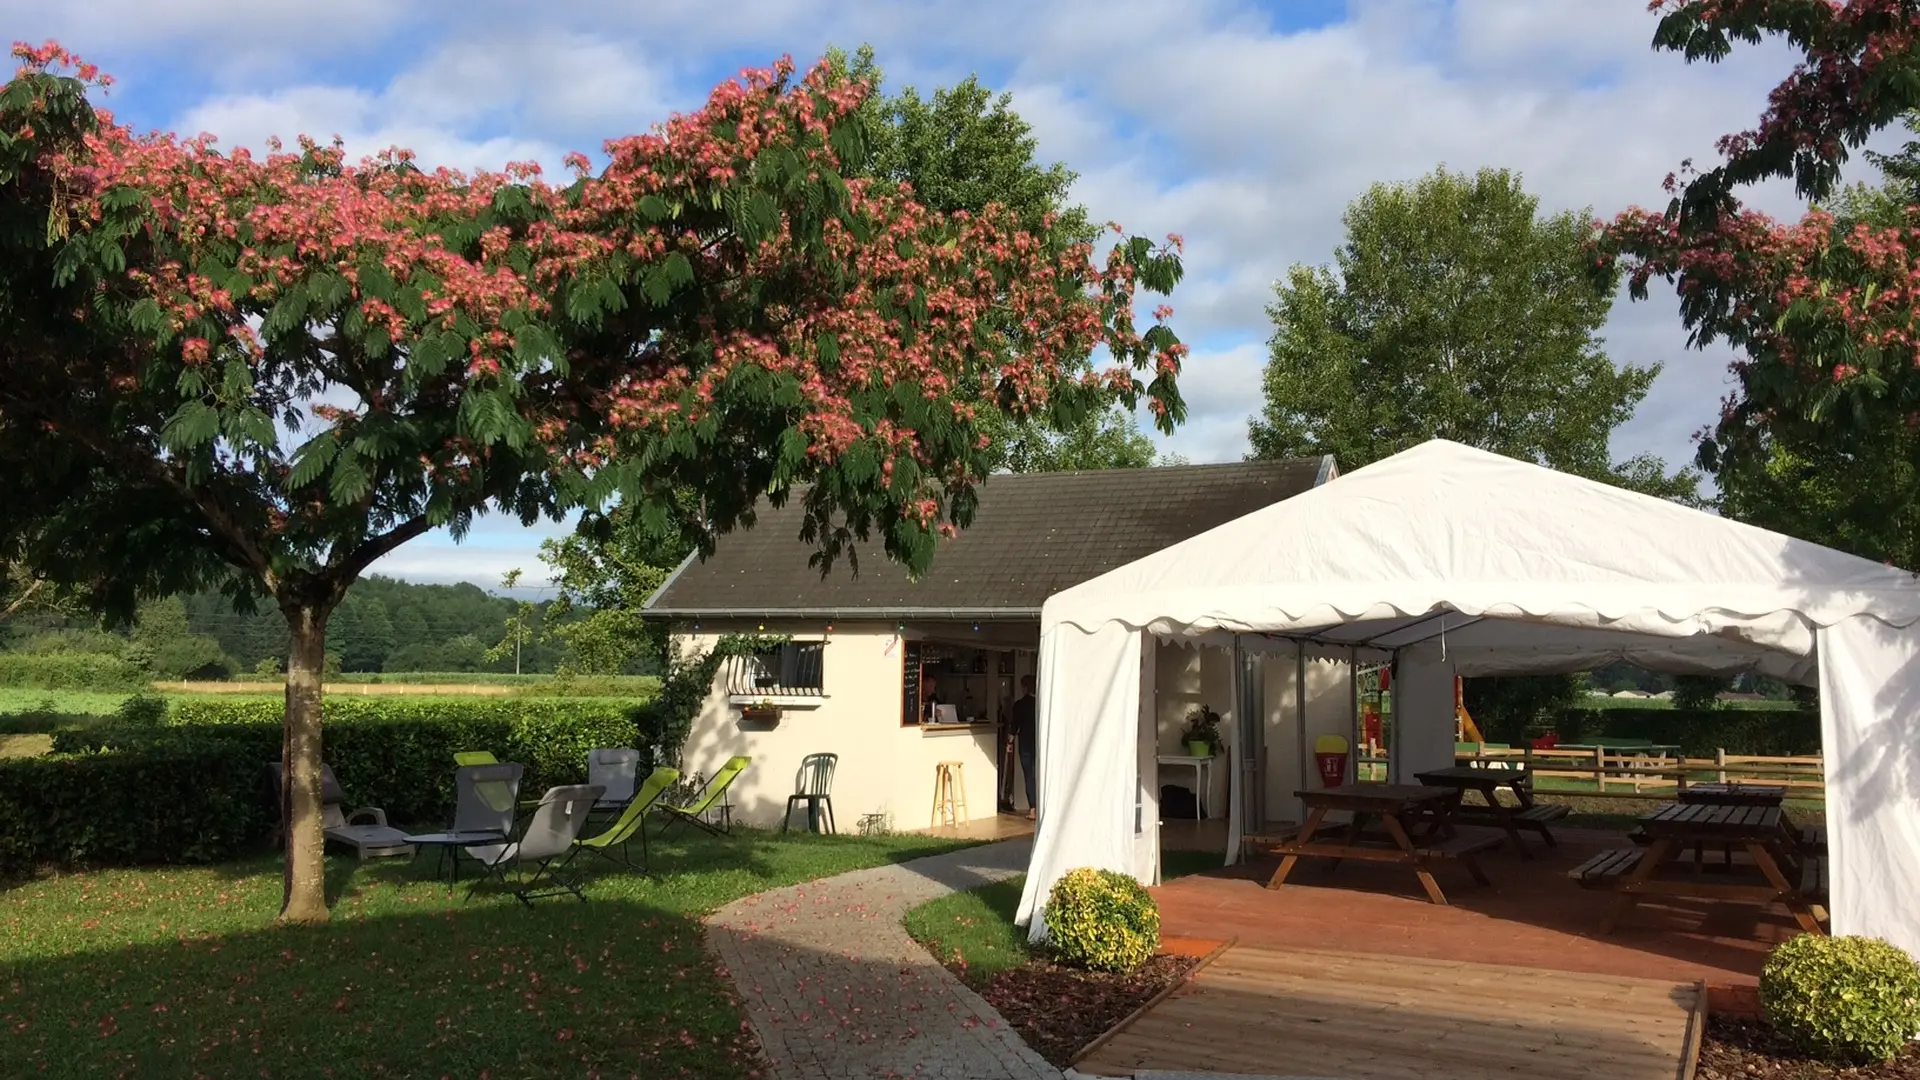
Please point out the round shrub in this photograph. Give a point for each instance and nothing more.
(145, 710)
(1102, 921)
(1846, 1000)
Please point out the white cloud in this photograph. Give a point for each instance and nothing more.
(471, 103)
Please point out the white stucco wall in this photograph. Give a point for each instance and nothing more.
(884, 767)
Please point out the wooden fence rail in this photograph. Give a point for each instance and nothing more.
(1609, 768)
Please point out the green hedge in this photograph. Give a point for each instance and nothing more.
(202, 771)
(71, 671)
(397, 753)
(187, 801)
(1698, 732)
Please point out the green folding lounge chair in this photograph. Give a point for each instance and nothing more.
(612, 844)
(713, 798)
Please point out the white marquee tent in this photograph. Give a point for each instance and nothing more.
(1449, 560)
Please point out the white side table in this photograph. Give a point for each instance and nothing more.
(1202, 775)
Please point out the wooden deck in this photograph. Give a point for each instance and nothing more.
(1531, 916)
(1264, 1011)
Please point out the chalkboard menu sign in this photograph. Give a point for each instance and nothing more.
(910, 688)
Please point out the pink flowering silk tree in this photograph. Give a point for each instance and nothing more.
(271, 371)
(1822, 311)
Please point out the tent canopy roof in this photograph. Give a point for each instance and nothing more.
(1507, 566)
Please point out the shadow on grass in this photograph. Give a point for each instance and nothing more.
(559, 990)
(182, 972)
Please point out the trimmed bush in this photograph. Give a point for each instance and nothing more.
(71, 671)
(1845, 1000)
(187, 801)
(395, 753)
(1102, 920)
(1698, 732)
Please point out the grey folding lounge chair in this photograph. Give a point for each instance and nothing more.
(546, 845)
(365, 829)
(485, 799)
(617, 770)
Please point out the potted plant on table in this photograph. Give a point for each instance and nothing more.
(1202, 734)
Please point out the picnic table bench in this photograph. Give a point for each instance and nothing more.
(1415, 818)
(1671, 829)
(1487, 783)
(1734, 794)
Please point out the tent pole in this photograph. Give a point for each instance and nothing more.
(1353, 696)
(1300, 711)
(1242, 715)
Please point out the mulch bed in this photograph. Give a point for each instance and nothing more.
(1741, 1049)
(1059, 1010)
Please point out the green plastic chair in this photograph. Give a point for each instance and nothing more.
(714, 797)
(612, 844)
(474, 757)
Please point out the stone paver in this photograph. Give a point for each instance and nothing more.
(836, 990)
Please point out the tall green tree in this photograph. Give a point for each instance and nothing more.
(1859, 492)
(961, 150)
(520, 628)
(1818, 434)
(1455, 310)
(273, 371)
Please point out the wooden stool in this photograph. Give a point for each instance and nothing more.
(949, 793)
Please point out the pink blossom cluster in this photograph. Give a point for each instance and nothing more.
(923, 299)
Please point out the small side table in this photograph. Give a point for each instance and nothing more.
(1202, 775)
(450, 843)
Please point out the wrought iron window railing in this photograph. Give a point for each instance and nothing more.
(793, 670)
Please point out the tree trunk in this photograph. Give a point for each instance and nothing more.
(305, 880)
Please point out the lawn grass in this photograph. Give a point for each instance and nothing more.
(44, 710)
(974, 931)
(183, 972)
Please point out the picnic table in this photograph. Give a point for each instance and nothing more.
(1734, 794)
(1672, 828)
(1416, 820)
(1487, 783)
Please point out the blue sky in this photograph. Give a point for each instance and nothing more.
(1247, 127)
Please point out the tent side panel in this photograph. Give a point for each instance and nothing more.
(1089, 750)
(1869, 696)
(1423, 721)
(1145, 816)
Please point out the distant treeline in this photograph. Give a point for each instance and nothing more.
(383, 625)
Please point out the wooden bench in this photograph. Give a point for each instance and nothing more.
(1468, 842)
(1813, 877)
(1607, 869)
(1814, 838)
(1541, 813)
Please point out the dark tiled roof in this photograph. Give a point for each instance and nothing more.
(1032, 536)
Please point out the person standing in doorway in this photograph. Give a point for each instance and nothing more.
(1026, 738)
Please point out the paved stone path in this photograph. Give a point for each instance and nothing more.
(836, 990)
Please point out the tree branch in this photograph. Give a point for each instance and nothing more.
(243, 545)
(21, 600)
(369, 551)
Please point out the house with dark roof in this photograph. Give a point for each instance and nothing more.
(896, 676)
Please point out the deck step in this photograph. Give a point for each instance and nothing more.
(1607, 868)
